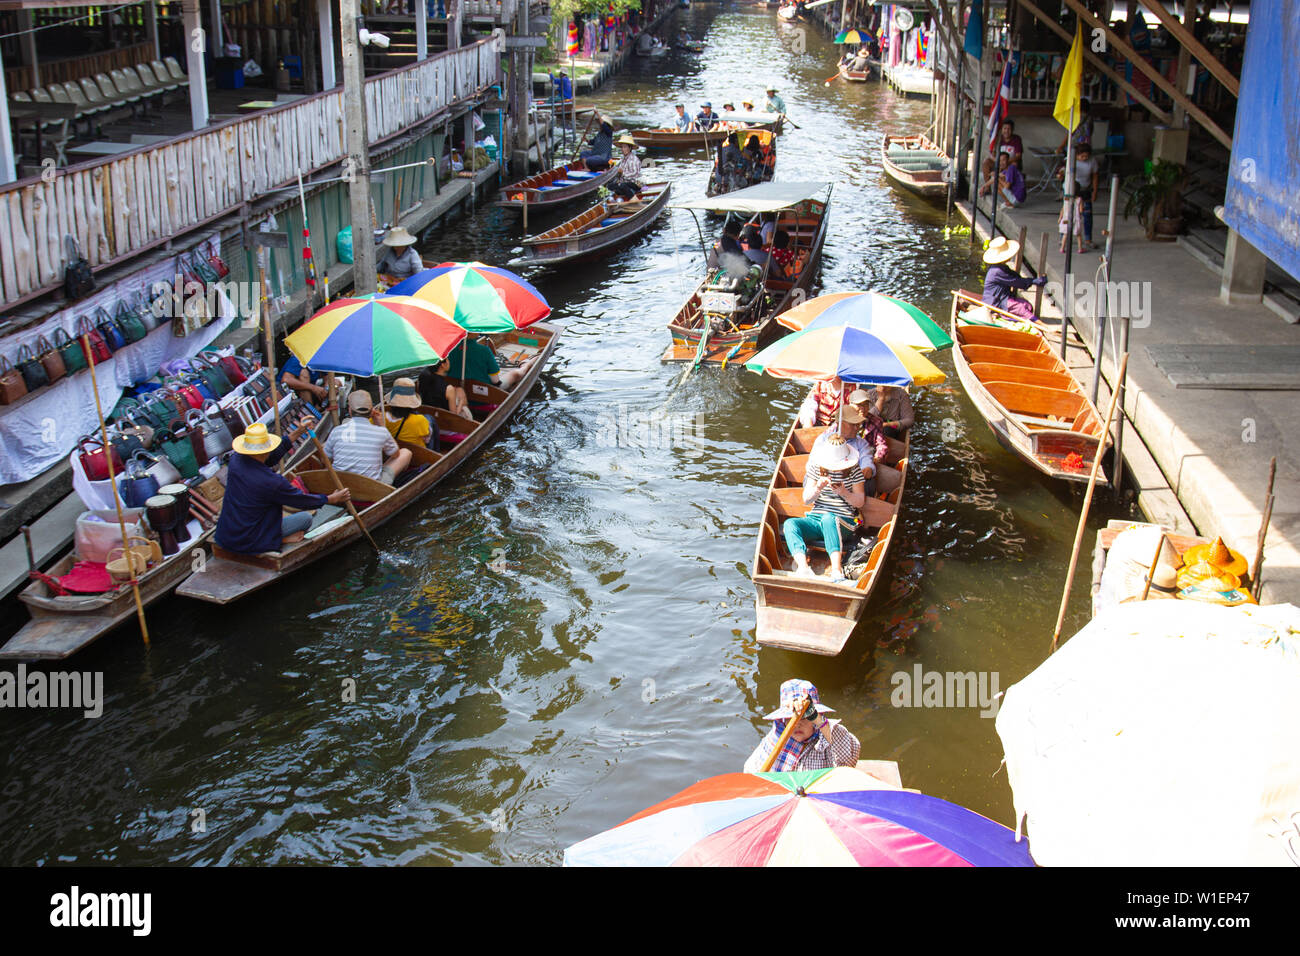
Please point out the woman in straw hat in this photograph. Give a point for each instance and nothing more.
(602, 146)
(1001, 284)
(816, 743)
(834, 488)
(252, 519)
(400, 418)
(627, 181)
(401, 261)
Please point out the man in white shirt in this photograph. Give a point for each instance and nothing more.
(362, 447)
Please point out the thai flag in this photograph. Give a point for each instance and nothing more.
(1001, 106)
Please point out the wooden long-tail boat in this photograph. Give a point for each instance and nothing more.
(812, 614)
(720, 325)
(598, 231)
(736, 122)
(229, 576)
(917, 164)
(554, 187)
(718, 184)
(1027, 396)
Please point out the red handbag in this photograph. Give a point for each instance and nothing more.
(218, 265)
(193, 397)
(99, 349)
(95, 463)
(228, 365)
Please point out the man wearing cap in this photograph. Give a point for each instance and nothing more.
(400, 417)
(360, 446)
(816, 743)
(401, 261)
(1001, 283)
(706, 119)
(681, 122)
(773, 103)
(252, 519)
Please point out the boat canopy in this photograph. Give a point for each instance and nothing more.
(765, 197)
(757, 118)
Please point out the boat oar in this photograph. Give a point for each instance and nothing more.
(352, 509)
(801, 706)
(1087, 502)
(831, 80)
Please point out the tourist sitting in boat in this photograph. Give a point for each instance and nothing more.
(894, 406)
(753, 153)
(848, 425)
(728, 247)
(362, 446)
(597, 157)
(401, 260)
(1001, 284)
(436, 391)
(822, 403)
(627, 181)
(1010, 143)
(400, 418)
(475, 361)
(816, 744)
(747, 105)
(706, 119)
(752, 241)
(305, 383)
(783, 254)
(1011, 185)
(681, 122)
(773, 103)
(252, 519)
(834, 489)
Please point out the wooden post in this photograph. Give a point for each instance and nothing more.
(358, 151)
(1258, 584)
(8, 171)
(422, 29)
(1042, 267)
(194, 61)
(151, 27)
(325, 28)
(1020, 254)
(27, 43)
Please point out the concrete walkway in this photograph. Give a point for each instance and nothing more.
(1212, 445)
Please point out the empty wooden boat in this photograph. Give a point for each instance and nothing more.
(229, 576)
(812, 614)
(1028, 397)
(917, 164)
(664, 138)
(598, 231)
(727, 319)
(554, 187)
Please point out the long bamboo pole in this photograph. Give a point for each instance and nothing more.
(112, 480)
(1087, 504)
(802, 706)
(270, 341)
(1258, 584)
(352, 509)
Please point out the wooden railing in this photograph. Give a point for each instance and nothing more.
(120, 207)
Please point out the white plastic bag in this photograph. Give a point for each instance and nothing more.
(251, 70)
(99, 533)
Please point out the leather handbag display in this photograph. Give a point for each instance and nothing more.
(94, 462)
(216, 436)
(218, 265)
(213, 374)
(108, 328)
(202, 267)
(51, 359)
(158, 466)
(129, 321)
(132, 423)
(74, 359)
(179, 450)
(137, 485)
(12, 386)
(78, 280)
(99, 350)
(31, 369)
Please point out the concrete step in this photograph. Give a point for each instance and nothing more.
(51, 536)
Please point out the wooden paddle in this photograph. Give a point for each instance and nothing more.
(802, 706)
(352, 509)
(830, 81)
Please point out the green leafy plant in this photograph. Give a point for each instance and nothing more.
(1156, 195)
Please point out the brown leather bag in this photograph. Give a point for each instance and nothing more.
(51, 359)
(12, 386)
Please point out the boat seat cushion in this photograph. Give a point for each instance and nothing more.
(582, 175)
(565, 182)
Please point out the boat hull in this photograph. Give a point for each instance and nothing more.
(671, 139)
(537, 193)
(584, 238)
(929, 184)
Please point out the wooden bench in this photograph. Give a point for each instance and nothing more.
(988, 372)
(975, 354)
(1037, 402)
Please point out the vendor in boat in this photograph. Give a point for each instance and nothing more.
(362, 446)
(816, 743)
(681, 122)
(834, 489)
(773, 103)
(307, 384)
(597, 157)
(822, 403)
(1001, 284)
(401, 419)
(475, 361)
(561, 86)
(401, 260)
(747, 105)
(627, 181)
(706, 119)
(894, 407)
(437, 391)
(252, 519)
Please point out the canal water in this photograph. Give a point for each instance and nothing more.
(562, 633)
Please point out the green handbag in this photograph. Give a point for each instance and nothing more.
(69, 349)
(180, 452)
(129, 321)
(202, 269)
(213, 375)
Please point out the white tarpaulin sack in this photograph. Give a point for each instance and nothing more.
(99, 533)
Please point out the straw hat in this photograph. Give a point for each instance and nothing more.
(1001, 249)
(403, 394)
(256, 440)
(1131, 553)
(791, 691)
(626, 141)
(398, 237)
(1205, 576)
(834, 454)
(852, 414)
(1219, 555)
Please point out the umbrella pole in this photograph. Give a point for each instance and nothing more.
(127, 554)
(1087, 504)
(807, 705)
(270, 343)
(352, 509)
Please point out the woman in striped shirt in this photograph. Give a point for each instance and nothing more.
(834, 488)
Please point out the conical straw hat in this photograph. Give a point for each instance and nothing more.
(1219, 555)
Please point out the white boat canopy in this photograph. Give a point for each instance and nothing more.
(757, 118)
(765, 197)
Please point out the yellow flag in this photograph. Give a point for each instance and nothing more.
(1067, 97)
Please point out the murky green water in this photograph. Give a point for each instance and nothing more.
(562, 633)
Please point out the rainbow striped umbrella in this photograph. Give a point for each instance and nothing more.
(480, 297)
(848, 353)
(374, 336)
(838, 817)
(886, 316)
(852, 36)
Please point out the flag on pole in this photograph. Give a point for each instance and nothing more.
(1001, 106)
(1066, 110)
(572, 45)
(975, 30)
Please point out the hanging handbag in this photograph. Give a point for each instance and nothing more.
(51, 360)
(144, 307)
(99, 350)
(129, 321)
(179, 450)
(31, 369)
(12, 386)
(108, 328)
(95, 461)
(137, 485)
(218, 265)
(78, 280)
(205, 272)
(74, 359)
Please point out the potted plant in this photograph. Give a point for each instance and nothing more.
(1156, 196)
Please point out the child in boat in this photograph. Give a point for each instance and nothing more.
(815, 743)
(834, 488)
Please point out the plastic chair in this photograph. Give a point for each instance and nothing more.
(95, 96)
(150, 82)
(160, 71)
(175, 70)
(112, 92)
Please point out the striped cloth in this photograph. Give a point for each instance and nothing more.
(359, 447)
(829, 500)
(816, 753)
